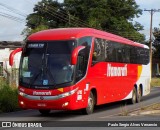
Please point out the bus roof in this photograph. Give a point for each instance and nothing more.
(73, 33)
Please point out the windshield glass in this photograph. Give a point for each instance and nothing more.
(46, 63)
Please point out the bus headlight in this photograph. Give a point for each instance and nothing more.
(68, 93)
(65, 94)
(21, 94)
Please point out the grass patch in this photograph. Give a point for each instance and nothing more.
(8, 97)
(155, 82)
(124, 111)
(152, 107)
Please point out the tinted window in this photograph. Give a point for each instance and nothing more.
(110, 51)
(46, 64)
(83, 57)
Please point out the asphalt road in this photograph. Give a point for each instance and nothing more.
(102, 116)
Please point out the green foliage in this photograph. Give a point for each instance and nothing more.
(156, 43)
(115, 16)
(1, 69)
(8, 97)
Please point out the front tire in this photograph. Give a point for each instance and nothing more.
(44, 112)
(90, 107)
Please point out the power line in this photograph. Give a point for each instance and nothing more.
(52, 8)
(17, 19)
(71, 19)
(62, 15)
(13, 10)
(65, 19)
(152, 11)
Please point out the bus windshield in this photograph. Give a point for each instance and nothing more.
(45, 64)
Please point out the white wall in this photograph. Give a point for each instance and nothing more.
(4, 57)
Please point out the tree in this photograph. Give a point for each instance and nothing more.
(115, 16)
(47, 14)
(156, 42)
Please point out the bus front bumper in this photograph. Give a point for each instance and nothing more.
(65, 101)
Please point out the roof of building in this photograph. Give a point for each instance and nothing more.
(11, 44)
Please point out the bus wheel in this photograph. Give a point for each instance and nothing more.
(139, 95)
(90, 106)
(44, 112)
(134, 96)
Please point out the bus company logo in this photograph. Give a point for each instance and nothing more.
(113, 71)
(41, 97)
(42, 93)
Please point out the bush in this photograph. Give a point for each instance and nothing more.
(8, 97)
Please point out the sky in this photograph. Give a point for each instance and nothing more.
(11, 30)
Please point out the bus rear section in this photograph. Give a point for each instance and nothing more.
(121, 69)
(80, 69)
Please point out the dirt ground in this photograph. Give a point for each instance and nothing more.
(153, 109)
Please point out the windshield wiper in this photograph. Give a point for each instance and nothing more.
(44, 71)
(47, 69)
(34, 78)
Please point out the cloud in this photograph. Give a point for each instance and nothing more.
(145, 18)
(148, 4)
(10, 29)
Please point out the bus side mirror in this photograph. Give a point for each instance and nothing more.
(75, 54)
(12, 54)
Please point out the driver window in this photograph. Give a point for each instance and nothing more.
(83, 57)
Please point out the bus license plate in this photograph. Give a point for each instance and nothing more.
(41, 105)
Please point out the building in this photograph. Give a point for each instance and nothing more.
(6, 47)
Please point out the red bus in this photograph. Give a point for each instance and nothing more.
(78, 68)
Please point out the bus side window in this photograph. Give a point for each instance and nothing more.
(97, 50)
(80, 69)
(133, 55)
(100, 51)
(111, 52)
(127, 54)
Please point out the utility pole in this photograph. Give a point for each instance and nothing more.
(152, 11)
